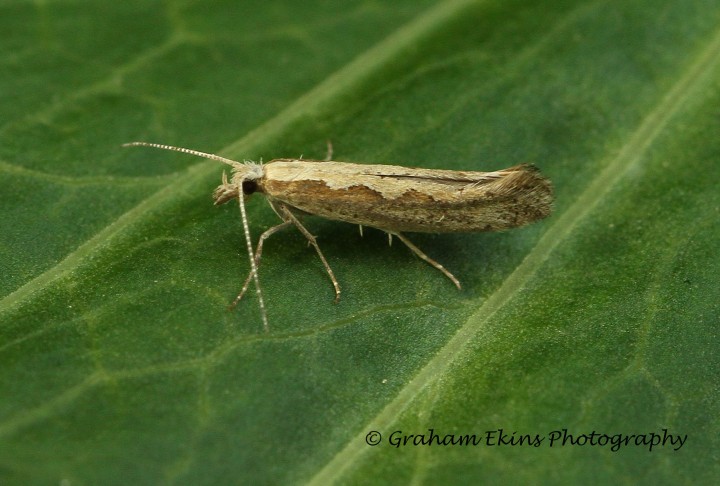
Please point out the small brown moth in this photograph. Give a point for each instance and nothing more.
(391, 198)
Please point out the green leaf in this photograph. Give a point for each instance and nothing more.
(120, 363)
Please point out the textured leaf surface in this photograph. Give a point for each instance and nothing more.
(119, 362)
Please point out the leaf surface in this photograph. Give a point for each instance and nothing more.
(119, 361)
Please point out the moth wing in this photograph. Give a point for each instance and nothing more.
(399, 199)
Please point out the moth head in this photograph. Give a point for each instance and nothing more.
(245, 180)
(245, 176)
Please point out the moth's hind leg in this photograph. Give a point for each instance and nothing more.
(329, 153)
(422, 255)
(287, 215)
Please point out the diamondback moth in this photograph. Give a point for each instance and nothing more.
(390, 198)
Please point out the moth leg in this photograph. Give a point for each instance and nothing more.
(258, 254)
(329, 154)
(288, 216)
(432, 262)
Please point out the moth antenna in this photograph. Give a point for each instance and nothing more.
(183, 150)
(251, 255)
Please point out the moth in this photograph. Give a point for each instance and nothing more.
(391, 198)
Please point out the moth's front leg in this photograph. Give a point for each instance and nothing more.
(258, 254)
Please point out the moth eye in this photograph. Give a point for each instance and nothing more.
(249, 187)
